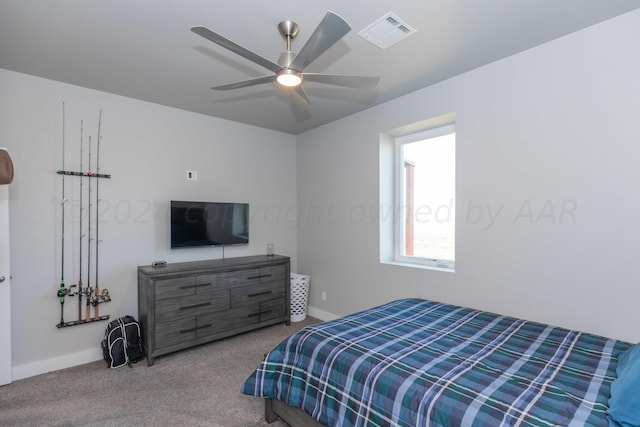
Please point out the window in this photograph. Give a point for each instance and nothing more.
(424, 197)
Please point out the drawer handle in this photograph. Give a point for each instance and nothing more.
(260, 293)
(197, 285)
(188, 307)
(184, 331)
(260, 313)
(260, 276)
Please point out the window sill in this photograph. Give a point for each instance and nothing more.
(422, 266)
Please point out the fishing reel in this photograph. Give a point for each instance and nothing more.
(64, 292)
(99, 299)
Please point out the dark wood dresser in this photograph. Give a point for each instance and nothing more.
(186, 304)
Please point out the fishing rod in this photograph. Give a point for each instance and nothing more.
(80, 289)
(62, 291)
(89, 290)
(95, 300)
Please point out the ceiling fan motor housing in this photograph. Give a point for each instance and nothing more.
(286, 58)
(288, 29)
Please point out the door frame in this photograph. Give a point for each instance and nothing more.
(5, 289)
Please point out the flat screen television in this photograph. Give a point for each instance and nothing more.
(208, 224)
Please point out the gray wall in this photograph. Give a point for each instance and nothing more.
(147, 149)
(551, 129)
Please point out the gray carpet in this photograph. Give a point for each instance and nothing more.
(195, 387)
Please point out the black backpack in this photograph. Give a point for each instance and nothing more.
(122, 344)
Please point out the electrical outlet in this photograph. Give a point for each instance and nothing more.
(324, 296)
(192, 175)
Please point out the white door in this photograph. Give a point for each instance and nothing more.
(5, 289)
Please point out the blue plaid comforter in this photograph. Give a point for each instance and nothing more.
(421, 363)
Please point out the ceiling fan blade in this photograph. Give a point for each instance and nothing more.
(356, 82)
(245, 83)
(300, 97)
(236, 48)
(329, 31)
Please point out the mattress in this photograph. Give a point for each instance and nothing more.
(415, 362)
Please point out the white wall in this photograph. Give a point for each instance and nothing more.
(147, 149)
(555, 126)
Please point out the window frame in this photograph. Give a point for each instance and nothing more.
(399, 191)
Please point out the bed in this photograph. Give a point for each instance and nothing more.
(415, 362)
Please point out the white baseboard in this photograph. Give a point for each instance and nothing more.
(320, 314)
(62, 362)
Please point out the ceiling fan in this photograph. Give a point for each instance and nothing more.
(289, 70)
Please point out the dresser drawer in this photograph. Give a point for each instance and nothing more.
(272, 309)
(175, 287)
(228, 279)
(175, 332)
(193, 285)
(259, 312)
(192, 305)
(246, 315)
(210, 324)
(255, 294)
(254, 276)
(272, 274)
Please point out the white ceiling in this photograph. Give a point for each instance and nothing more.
(144, 49)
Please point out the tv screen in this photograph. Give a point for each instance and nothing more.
(209, 224)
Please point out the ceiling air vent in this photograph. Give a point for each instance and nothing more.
(387, 31)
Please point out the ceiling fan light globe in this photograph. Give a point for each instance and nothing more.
(289, 78)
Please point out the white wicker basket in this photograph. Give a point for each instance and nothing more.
(299, 297)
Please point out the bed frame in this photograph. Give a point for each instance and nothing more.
(274, 409)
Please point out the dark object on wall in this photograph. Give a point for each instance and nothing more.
(122, 344)
(6, 167)
(209, 224)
